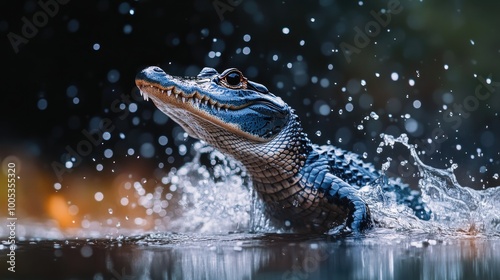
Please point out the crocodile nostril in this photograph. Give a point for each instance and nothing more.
(157, 69)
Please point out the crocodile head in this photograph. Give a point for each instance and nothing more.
(212, 104)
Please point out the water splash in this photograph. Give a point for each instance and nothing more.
(455, 208)
(217, 197)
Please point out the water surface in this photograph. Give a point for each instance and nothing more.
(378, 255)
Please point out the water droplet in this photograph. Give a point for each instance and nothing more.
(127, 29)
(394, 76)
(496, 176)
(99, 167)
(318, 133)
(360, 127)
(417, 104)
(42, 104)
(113, 76)
(386, 164)
(374, 115)
(110, 211)
(379, 150)
(365, 155)
(98, 196)
(108, 153)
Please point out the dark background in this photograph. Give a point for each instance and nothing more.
(57, 84)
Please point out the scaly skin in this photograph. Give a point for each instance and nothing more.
(313, 187)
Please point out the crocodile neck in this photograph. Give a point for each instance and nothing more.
(269, 164)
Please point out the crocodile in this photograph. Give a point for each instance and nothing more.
(315, 188)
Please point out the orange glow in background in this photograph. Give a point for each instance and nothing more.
(83, 201)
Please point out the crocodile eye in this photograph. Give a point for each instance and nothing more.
(233, 79)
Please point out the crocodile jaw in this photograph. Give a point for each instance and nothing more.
(188, 113)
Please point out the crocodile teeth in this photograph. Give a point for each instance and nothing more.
(169, 92)
(206, 102)
(183, 99)
(144, 95)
